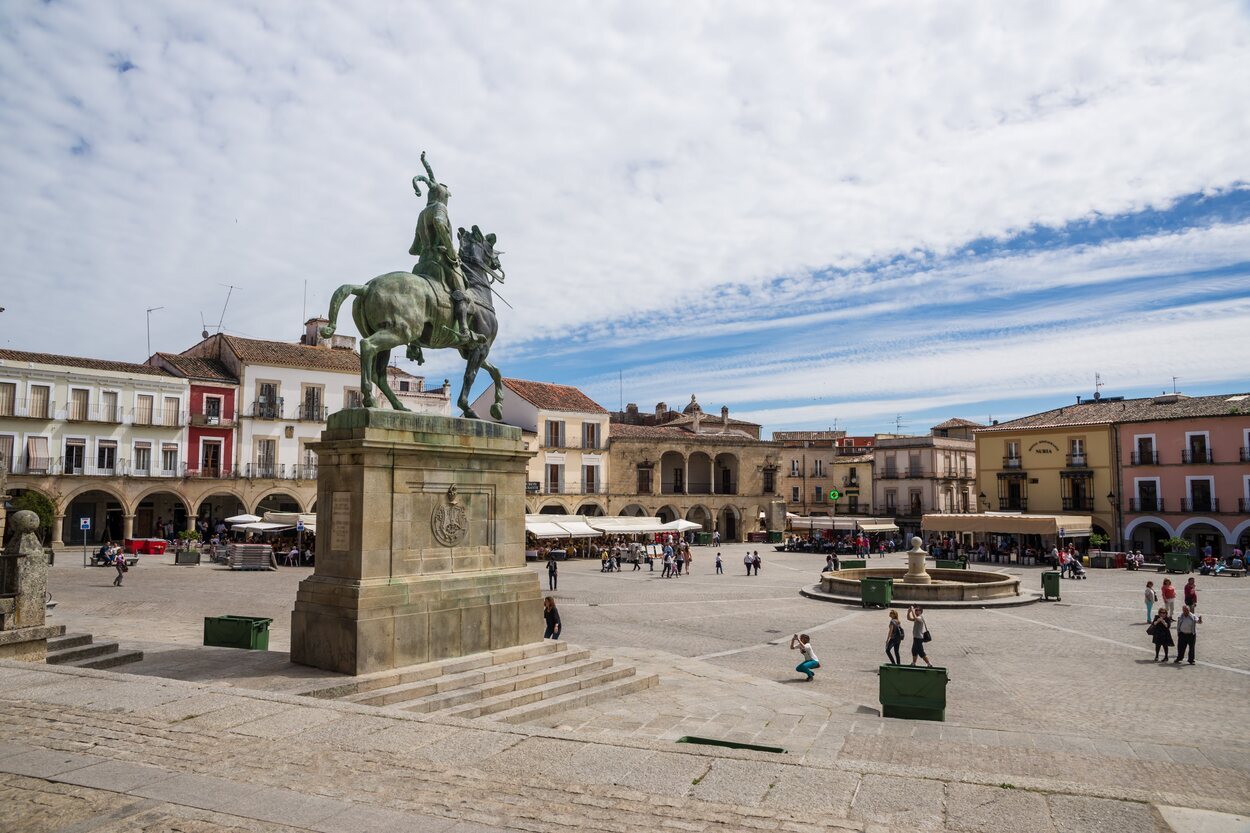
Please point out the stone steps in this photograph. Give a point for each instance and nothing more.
(576, 699)
(511, 684)
(80, 650)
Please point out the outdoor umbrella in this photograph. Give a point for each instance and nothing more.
(243, 519)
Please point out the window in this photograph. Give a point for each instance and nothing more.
(770, 485)
(1144, 454)
(266, 458)
(77, 404)
(106, 456)
(852, 477)
(40, 401)
(1076, 451)
(142, 458)
(169, 459)
(6, 452)
(794, 494)
(852, 504)
(310, 407)
(590, 435)
(352, 398)
(403, 386)
(1012, 458)
(1147, 496)
(8, 398)
(794, 469)
(553, 434)
(555, 478)
(38, 455)
(210, 458)
(915, 504)
(1201, 495)
(644, 480)
(75, 456)
(891, 500)
(108, 407)
(818, 468)
(590, 479)
(143, 409)
(913, 464)
(173, 411)
(818, 494)
(212, 409)
(1196, 449)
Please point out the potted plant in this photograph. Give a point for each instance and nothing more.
(1096, 542)
(1176, 558)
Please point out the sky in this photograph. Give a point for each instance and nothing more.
(868, 216)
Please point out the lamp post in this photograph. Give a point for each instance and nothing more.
(149, 313)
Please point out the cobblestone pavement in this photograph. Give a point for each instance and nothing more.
(1060, 701)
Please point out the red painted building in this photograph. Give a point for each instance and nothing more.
(213, 413)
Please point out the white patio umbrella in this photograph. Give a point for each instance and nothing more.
(243, 519)
(680, 525)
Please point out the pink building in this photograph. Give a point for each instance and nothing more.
(1185, 471)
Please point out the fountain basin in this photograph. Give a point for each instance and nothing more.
(947, 588)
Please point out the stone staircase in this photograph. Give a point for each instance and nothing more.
(512, 685)
(82, 651)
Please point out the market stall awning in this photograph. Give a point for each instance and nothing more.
(627, 526)
(1011, 523)
(291, 519)
(243, 519)
(545, 529)
(681, 526)
(578, 529)
(261, 526)
(879, 526)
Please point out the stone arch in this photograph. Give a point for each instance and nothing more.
(86, 499)
(159, 489)
(725, 474)
(214, 504)
(1212, 522)
(634, 510)
(591, 510)
(672, 473)
(1154, 530)
(729, 522)
(553, 509)
(667, 513)
(699, 472)
(273, 493)
(63, 501)
(1136, 522)
(699, 514)
(1238, 531)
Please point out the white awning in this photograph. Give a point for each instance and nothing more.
(1011, 523)
(627, 526)
(261, 526)
(681, 526)
(879, 527)
(579, 529)
(545, 529)
(292, 519)
(243, 519)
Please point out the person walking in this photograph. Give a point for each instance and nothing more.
(552, 618)
(1160, 631)
(919, 634)
(668, 564)
(893, 639)
(1169, 597)
(1187, 633)
(1191, 597)
(716, 537)
(746, 559)
(1151, 598)
(720, 568)
(637, 565)
(553, 573)
(120, 564)
(803, 644)
(689, 559)
(755, 562)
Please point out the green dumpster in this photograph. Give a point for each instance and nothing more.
(876, 591)
(774, 536)
(250, 632)
(951, 564)
(1177, 562)
(912, 692)
(1050, 585)
(853, 564)
(705, 539)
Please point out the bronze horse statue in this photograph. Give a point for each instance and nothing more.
(403, 308)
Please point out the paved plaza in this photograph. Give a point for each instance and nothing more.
(1058, 719)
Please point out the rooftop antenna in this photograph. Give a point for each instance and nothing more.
(232, 288)
(1174, 378)
(898, 424)
(620, 378)
(203, 326)
(1098, 386)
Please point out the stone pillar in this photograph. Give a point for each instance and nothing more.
(420, 544)
(58, 530)
(128, 526)
(23, 582)
(917, 573)
(190, 522)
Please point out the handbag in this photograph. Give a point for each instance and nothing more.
(928, 637)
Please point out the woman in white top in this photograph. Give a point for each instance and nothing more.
(803, 644)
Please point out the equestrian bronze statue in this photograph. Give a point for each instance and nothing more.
(444, 302)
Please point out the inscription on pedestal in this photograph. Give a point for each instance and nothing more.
(341, 521)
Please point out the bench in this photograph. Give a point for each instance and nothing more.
(1231, 572)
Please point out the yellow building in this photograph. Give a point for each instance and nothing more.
(1056, 462)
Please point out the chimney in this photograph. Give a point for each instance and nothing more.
(1078, 399)
(631, 410)
(724, 417)
(696, 418)
(661, 409)
(312, 331)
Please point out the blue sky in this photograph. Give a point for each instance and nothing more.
(964, 209)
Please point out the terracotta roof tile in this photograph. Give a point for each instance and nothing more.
(288, 354)
(1148, 409)
(957, 422)
(75, 361)
(619, 430)
(194, 367)
(552, 397)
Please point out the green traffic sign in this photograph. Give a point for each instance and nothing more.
(834, 494)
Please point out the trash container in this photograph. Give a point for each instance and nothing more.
(853, 564)
(1050, 585)
(1177, 562)
(912, 693)
(250, 632)
(876, 591)
(951, 564)
(705, 539)
(774, 536)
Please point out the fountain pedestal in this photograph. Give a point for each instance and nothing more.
(916, 571)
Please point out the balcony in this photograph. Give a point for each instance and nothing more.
(1196, 456)
(591, 445)
(590, 487)
(34, 465)
(304, 471)
(106, 413)
(211, 421)
(213, 472)
(160, 419)
(311, 412)
(1145, 504)
(1144, 458)
(1012, 462)
(1078, 504)
(1009, 505)
(264, 471)
(266, 410)
(1202, 504)
(1076, 461)
(1243, 505)
(888, 473)
(29, 409)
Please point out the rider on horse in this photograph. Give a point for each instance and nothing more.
(436, 255)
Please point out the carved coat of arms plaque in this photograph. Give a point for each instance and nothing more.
(450, 521)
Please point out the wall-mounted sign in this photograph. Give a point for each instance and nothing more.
(1044, 447)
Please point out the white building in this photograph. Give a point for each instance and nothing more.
(571, 430)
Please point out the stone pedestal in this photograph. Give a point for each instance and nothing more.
(420, 544)
(23, 585)
(917, 572)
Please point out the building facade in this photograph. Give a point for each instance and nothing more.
(934, 473)
(816, 464)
